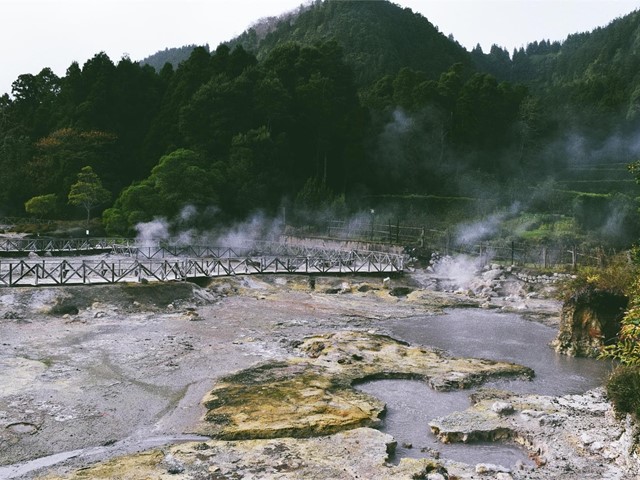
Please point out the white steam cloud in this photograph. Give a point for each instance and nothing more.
(470, 233)
(153, 232)
(176, 231)
(458, 272)
(258, 227)
(578, 148)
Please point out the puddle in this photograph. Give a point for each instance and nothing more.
(23, 427)
(505, 337)
(483, 334)
(411, 405)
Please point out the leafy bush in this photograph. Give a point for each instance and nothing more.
(115, 222)
(627, 349)
(623, 389)
(617, 276)
(41, 206)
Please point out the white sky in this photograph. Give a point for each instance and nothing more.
(53, 33)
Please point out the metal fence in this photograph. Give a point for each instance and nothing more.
(566, 256)
(12, 221)
(421, 240)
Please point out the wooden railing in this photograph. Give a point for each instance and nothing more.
(53, 271)
(53, 245)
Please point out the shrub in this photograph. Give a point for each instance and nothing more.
(623, 389)
(114, 222)
(618, 277)
(627, 349)
(42, 206)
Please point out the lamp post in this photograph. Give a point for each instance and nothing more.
(373, 217)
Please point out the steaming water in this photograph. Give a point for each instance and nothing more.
(484, 334)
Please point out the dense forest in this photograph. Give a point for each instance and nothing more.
(335, 108)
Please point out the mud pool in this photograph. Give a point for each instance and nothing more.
(482, 334)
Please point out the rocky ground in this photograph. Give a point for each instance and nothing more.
(98, 373)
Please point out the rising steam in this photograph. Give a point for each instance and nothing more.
(476, 231)
(176, 231)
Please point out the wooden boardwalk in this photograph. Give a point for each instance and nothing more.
(166, 263)
(18, 246)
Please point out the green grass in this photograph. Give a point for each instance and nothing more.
(539, 227)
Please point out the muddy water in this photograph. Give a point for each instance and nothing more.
(485, 334)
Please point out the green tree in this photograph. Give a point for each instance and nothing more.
(623, 386)
(42, 205)
(62, 153)
(210, 119)
(315, 197)
(529, 124)
(327, 121)
(15, 151)
(179, 179)
(88, 191)
(137, 203)
(34, 101)
(379, 38)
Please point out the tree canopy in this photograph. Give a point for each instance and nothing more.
(88, 191)
(348, 100)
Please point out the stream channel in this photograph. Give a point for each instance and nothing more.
(411, 405)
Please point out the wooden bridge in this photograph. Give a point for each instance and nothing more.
(128, 263)
(53, 246)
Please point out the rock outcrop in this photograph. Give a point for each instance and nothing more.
(574, 437)
(311, 394)
(569, 437)
(359, 453)
(590, 319)
(301, 418)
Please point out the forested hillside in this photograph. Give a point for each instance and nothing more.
(592, 73)
(338, 107)
(378, 38)
(173, 56)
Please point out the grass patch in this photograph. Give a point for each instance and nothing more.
(541, 228)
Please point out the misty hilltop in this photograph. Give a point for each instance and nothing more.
(377, 38)
(337, 108)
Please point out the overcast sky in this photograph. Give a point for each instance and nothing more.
(53, 33)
